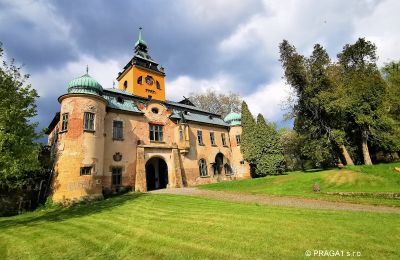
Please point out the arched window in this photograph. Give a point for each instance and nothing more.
(203, 168)
(125, 85)
(139, 80)
(158, 85)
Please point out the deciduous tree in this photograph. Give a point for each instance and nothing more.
(18, 151)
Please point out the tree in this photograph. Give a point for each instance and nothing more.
(365, 92)
(269, 152)
(18, 151)
(321, 128)
(216, 103)
(248, 137)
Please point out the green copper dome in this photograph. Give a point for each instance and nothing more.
(233, 118)
(85, 85)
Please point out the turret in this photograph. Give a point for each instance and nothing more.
(80, 148)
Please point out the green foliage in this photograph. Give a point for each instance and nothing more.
(344, 106)
(248, 137)
(269, 152)
(313, 87)
(18, 152)
(260, 145)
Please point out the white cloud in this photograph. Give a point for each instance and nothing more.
(54, 82)
(268, 100)
(382, 28)
(184, 85)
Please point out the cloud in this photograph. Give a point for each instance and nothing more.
(229, 45)
(269, 100)
(34, 34)
(185, 85)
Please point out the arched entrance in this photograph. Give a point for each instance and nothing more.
(156, 174)
(219, 162)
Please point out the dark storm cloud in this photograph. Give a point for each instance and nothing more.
(177, 38)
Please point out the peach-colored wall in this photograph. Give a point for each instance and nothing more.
(77, 148)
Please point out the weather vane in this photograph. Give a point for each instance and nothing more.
(87, 69)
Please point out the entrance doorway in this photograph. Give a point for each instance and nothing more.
(156, 174)
(219, 162)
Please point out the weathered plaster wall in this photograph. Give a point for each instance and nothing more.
(78, 148)
(241, 168)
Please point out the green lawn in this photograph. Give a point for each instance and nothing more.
(160, 226)
(376, 178)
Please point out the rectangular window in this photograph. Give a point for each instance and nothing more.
(200, 137)
(88, 121)
(116, 176)
(238, 139)
(181, 133)
(156, 133)
(203, 168)
(64, 123)
(118, 130)
(212, 138)
(86, 170)
(223, 139)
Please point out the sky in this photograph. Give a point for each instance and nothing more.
(225, 45)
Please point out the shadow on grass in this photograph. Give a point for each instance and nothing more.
(75, 211)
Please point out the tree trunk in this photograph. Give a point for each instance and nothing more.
(346, 155)
(364, 148)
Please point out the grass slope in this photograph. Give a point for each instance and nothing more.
(159, 226)
(375, 178)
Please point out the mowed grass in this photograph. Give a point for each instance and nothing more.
(160, 226)
(375, 179)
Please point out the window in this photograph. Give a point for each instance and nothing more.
(139, 80)
(64, 124)
(203, 168)
(181, 133)
(238, 139)
(156, 133)
(125, 85)
(118, 130)
(212, 138)
(154, 110)
(86, 170)
(158, 85)
(228, 169)
(200, 137)
(223, 139)
(88, 121)
(120, 100)
(116, 178)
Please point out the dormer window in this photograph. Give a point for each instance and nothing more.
(139, 80)
(120, 100)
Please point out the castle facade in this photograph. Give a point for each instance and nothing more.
(105, 140)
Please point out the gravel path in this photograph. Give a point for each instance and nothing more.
(277, 200)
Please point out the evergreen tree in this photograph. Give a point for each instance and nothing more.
(18, 152)
(320, 127)
(365, 92)
(269, 157)
(248, 137)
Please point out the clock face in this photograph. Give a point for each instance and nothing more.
(149, 80)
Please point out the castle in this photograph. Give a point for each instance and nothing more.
(105, 140)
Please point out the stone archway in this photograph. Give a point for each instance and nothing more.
(156, 173)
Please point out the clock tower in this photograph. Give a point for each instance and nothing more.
(141, 76)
